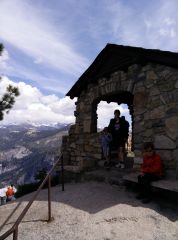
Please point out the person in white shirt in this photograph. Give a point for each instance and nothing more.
(3, 195)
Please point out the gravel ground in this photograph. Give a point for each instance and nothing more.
(92, 211)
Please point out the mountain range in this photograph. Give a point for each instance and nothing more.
(26, 149)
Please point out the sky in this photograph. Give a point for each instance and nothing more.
(49, 44)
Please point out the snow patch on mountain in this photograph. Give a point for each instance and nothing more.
(18, 152)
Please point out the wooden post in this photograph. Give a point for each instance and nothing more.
(62, 172)
(49, 199)
(15, 233)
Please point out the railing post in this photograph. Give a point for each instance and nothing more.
(49, 199)
(15, 233)
(62, 172)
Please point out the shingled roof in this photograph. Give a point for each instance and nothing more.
(118, 57)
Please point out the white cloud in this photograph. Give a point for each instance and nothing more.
(163, 32)
(33, 106)
(168, 21)
(105, 112)
(38, 60)
(169, 32)
(173, 33)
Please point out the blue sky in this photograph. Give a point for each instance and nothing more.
(49, 44)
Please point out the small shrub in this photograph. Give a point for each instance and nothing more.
(26, 188)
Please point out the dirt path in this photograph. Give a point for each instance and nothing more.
(93, 211)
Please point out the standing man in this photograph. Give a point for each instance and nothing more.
(119, 135)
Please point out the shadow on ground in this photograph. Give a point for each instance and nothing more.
(93, 197)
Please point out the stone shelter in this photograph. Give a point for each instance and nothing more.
(144, 79)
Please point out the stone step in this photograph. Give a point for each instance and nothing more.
(170, 184)
(121, 176)
(128, 162)
(112, 176)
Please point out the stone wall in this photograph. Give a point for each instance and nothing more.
(154, 114)
(82, 151)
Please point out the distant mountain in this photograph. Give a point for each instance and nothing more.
(23, 126)
(25, 149)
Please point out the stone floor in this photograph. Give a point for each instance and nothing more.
(92, 211)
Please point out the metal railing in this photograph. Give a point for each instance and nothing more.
(14, 229)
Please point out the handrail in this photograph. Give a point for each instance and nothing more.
(14, 229)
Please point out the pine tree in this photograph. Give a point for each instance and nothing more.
(8, 99)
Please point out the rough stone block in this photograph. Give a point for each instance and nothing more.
(148, 132)
(154, 91)
(139, 103)
(138, 153)
(171, 127)
(65, 139)
(138, 139)
(80, 140)
(146, 68)
(79, 159)
(147, 139)
(82, 106)
(73, 145)
(163, 142)
(166, 155)
(138, 128)
(87, 126)
(72, 129)
(138, 160)
(157, 123)
(175, 154)
(88, 148)
(97, 156)
(89, 162)
(151, 76)
(172, 111)
(70, 168)
(110, 87)
(176, 85)
(165, 86)
(158, 112)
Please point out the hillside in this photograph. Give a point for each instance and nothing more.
(26, 149)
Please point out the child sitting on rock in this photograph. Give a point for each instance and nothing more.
(151, 170)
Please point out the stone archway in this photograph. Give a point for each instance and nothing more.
(119, 98)
(83, 147)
